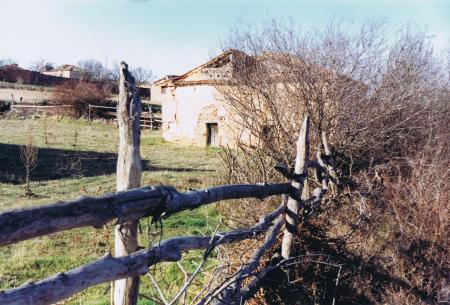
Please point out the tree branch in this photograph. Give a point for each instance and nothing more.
(232, 293)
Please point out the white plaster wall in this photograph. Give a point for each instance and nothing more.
(65, 74)
(187, 109)
(156, 96)
(53, 73)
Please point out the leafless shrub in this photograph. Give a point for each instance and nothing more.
(29, 158)
(420, 206)
(356, 88)
(70, 165)
(385, 105)
(79, 96)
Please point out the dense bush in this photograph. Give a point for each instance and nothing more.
(386, 105)
(79, 96)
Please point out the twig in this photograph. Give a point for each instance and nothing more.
(253, 287)
(156, 300)
(199, 267)
(157, 288)
(216, 272)
(233, 293)
(337, 283)
(186, 277)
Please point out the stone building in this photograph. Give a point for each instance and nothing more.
(66, 71)
(192, 111)
(15, 74)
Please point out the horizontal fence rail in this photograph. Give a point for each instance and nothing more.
(110, 268)
(22, 224)
(148, 119)
(38, 106)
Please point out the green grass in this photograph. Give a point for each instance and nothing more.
(95, 144)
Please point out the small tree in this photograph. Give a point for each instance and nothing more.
(29, 158)
(142, 75)
(93, 69)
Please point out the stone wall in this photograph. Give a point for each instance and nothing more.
(13, 74)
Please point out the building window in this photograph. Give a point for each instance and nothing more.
(163, 90)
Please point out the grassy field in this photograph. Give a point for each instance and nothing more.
(79, 159)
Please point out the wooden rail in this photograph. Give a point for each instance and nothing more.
(110, 268)
(148, 119)
(39, 106)
(163, 201)
(22, 224)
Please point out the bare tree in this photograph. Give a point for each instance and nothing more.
(93, 69)
(7, 61)
(113, 74)
(29, 158)
(142, 75)
(41, 65)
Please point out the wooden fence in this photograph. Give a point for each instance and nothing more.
(38, 109)
(164, 201)
(148, 119)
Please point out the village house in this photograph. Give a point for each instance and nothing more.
(192, 110)
(195, 112)
(66, 71)
(46, 76)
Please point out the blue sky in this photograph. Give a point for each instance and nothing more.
(173, 36)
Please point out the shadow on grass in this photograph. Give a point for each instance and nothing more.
(59, 163)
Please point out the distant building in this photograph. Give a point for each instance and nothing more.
(66, 71)
(16, 74)
(192, 111)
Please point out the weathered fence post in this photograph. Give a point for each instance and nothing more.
(129, 168)
(301, 168)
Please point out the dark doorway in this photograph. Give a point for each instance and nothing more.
(212, 135)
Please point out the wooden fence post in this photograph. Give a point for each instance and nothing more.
(301, 168)
(129, 168)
